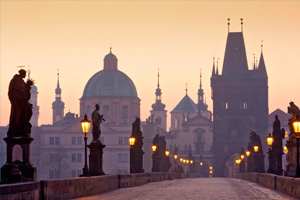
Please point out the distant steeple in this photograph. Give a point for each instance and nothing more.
(261, 71)
(242, 24)
(254, 66)
(201, 104)
(58, 105)
(158, 105)
(213, 70)
(228, 23)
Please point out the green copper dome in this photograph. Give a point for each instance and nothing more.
(109, 83)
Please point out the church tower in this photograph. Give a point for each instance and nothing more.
(240, 103)
(58, 105)
(202, 106)
(35, 108)
(158, 111)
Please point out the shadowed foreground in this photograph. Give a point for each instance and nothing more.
(193, 188)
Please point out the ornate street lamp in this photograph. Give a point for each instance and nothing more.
(181, 159)
(242, 156)
(296, 125)
(175, 157)
(85, 125)
(270, 141)
(248, 153)
(154, 147)
(285, 150)
(255, 148)
(131, 141)
(191, 161)
(167, 152)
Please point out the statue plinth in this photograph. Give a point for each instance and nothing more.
(136, 160)
(96, 158)
(18, 167)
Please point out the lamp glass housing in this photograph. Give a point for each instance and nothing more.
(154, 147)
(191, 161)
(242, 156)
(187, 161)
(248, 153)
(201, 163)
(270, 140)
(296, 125)
(181, 159)
(285, 150)
(175, 157)
(131, 141)
(167, 152)
(255, 148)
(85, 124)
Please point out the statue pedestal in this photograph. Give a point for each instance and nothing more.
(136, 160)
(18, 167)
(96, 158)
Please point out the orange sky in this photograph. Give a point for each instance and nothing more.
(179, 37)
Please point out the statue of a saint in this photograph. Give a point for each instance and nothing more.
(96, 120)
(21, 109)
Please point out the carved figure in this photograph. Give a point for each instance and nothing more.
(96, 120)
(21, 109)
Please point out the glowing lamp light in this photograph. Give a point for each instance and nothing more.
(255, 148)
(181, 159)
(242, 156)
(296, 125)
(191, 161)
(285, 150)
(175, 157)
(248, 153)
(154, 148)
(210, 171)
(210, 167)
(286, 134)
(167, 152)
(270, 140)
(131, 141)
(201, 163)
(187, 161)
(237, 161)
(85, 125)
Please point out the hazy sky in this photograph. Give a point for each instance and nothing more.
(179, 37)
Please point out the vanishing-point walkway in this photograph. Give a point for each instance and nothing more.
(193, 188)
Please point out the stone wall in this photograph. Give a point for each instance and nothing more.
(77, 187)
(284, 184)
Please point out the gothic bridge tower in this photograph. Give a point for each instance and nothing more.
(240, 103)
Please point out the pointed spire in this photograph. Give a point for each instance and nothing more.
(262, 71)
(217, 72)
(228, 24)
(242, 24)
(200, 79)
(213, 70)
(158, 78)
(57, 77)
(186, 88)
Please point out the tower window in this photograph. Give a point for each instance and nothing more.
(226, 106)
(245, 106)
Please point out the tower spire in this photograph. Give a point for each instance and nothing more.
(261, 46)
(213, 70)
(217, 72)
(254, 66)
(110, 49)
(200, 78)
(158, 78)
(57, 77)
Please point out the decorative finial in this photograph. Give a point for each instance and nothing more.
(242, 24)
(158, 78)
(110, 49)
(262, 45)
(217, 72)
(28, 72)
(228, 23)
(200, 78)
(57, 74)
(186, 89)
(256, 63)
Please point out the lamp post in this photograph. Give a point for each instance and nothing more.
(296, 125)
(271, 155)
(85, 125)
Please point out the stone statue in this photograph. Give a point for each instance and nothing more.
(96, 120)
(255, 140)
(21, 109)
(137, 133)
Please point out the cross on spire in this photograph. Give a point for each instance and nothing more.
(186, 89)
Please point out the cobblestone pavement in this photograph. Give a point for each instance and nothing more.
(193, 188)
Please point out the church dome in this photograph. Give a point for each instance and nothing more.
(110, 83)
